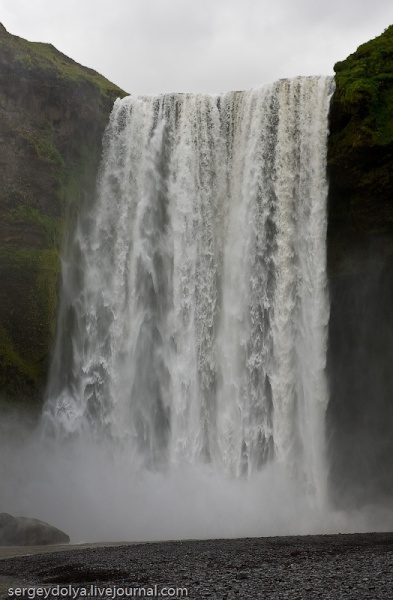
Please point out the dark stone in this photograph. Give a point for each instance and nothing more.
(21, 531)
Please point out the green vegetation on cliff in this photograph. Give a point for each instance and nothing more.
(360, 264)
(36, 57)
(360, 152)
(365, 89)
(52, 113)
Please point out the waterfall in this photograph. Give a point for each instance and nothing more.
(194, 305)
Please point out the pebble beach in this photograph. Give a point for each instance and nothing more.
(356, 566)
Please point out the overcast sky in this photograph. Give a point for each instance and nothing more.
(157, 46)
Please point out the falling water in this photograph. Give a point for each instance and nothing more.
(194, 305)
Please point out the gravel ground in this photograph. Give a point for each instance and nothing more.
(354, 566)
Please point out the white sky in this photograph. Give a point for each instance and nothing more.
(157, 46)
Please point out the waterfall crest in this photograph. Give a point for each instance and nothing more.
(194, 305)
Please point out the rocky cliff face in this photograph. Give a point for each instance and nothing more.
(360, 263)
(360, 156)
(52, 114)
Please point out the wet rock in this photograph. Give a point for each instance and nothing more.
(22, 531)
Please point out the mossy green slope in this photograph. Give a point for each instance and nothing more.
(53, 112)
(360, 152)
(365, 90)
(360, 265)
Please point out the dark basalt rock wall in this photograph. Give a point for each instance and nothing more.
(360, 266)
(52, 116)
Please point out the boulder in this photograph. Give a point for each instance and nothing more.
(22, 531)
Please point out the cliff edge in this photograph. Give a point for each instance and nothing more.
(360, 155)
(360, 269)
(53, 113)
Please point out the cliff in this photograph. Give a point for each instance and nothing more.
(360, 155)
(360, 267)
(52, 113)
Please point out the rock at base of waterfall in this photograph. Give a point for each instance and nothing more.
(22, 531)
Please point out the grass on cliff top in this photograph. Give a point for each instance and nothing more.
(364, 84)
(38, 55)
